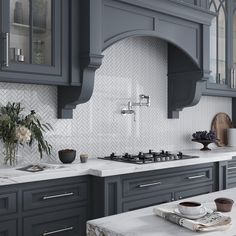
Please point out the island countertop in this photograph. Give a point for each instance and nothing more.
(143, 222)
(104, 168)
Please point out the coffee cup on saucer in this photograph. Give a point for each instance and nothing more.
(191, 208)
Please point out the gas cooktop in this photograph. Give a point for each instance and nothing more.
(149, 157)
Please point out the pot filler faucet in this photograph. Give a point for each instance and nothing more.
(144, 100)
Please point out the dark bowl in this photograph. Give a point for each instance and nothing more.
(224, 204)
(67, 156)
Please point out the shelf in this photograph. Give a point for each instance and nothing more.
(24, 26)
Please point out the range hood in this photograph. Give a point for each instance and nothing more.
(97, 24)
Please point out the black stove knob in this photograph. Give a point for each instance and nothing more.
(154, 157)
(126, 155)
(150, 151)
(180, 155)
(112, 155)
(162, 152)
(140, 154)
(167, 153)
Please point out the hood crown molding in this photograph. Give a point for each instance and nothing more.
(101, 23)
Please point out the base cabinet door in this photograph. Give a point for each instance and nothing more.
(61, 223)
(231, 173)
(192, 191)
(146, 202)
(8, 228)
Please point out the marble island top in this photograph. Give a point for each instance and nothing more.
(143, 222)
(103, 168)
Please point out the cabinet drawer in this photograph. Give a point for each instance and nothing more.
(8, 203)
(146, 202)
(55, 195)
(151, 183)
(61, 223)
(193, 191)
(8, 228)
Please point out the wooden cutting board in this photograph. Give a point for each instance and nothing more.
(220, 123)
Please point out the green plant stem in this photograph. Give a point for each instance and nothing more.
(10, 153)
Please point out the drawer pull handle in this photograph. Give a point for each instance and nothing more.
(57, 231)
(196, 176)
(58, 196)
(231, 168)
(149, 185)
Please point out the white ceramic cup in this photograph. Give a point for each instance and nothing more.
(191, 208)
(231, 133)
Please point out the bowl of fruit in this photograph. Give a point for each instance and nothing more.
(205, 138)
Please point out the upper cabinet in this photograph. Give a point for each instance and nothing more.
(198, 3)
(34, 41)
(222, 80)
(234, 36)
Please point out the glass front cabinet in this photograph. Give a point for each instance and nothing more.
(34, 41)
(222, 80)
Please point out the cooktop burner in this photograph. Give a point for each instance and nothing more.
(150, 157)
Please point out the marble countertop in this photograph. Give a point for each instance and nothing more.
(103, 168)
(143, 222)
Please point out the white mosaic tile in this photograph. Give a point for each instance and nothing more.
(130, 67)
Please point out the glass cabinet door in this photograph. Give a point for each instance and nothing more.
(30, 32)
(32, 38)
(234, 41)
(218, 43)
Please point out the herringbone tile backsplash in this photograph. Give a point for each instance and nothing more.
(130, 67)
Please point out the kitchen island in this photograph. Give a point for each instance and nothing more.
(143, 222)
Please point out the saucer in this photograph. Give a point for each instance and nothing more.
(192, 217)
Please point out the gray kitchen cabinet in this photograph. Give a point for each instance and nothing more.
(231, 173)
(198, 3)
(222, 80)
(52, 207)
(34, 41)
(132, 191)
(65, 223)
(193, 190)
(8, 203)
(8, 228)
(146, 202)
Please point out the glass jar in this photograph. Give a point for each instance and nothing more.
(38, 52)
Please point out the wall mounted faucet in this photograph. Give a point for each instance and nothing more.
(144, 100)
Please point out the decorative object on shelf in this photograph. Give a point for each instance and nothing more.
(16, 55)
(39, 8)
(38, 52)
(19, 129)
(83, 158)
(205, 138)
(220, 123)
(67, 156)
(18, 13)
(224, 204)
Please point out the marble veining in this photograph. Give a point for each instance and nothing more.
(143, 222)
(103, 168)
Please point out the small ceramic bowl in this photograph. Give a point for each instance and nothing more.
(224, 204)
(67, 156)
(83, 158)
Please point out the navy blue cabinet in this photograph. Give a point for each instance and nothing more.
(53, 207)
(222, 81)
(133, 191)
(34, 41)
(8, 228)
(231, 173)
